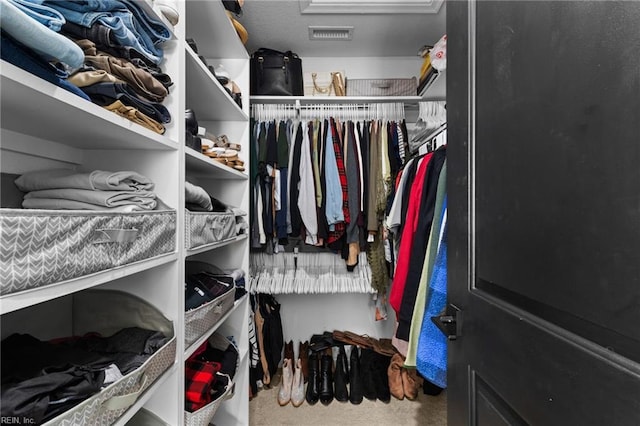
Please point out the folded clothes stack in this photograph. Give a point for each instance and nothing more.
(104, 51)
(58, 189)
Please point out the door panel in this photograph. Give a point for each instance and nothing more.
(490, 408)
(543, 103)
(557, 150)
(545, 375)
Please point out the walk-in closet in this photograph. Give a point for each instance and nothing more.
(311, 212)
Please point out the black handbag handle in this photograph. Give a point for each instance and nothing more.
(263, 51)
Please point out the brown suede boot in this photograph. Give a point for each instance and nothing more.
(411, 383)
(303, 354)
(288, 352)
(395, 373)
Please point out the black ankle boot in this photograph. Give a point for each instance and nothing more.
(191, 123)
(326, 379)
(355, 377)
(381, 376)
(366, 367)
(313, 393)
(341, 377)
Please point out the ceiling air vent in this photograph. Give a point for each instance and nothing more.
(330, 33)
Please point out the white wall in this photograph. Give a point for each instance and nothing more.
(306, 314)
(366, 67)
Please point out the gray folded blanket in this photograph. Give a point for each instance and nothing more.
(96, 180)
(59, 204)
(144, 200)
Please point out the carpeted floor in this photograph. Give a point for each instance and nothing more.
(424, 411)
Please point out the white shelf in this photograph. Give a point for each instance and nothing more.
(13, 302)
(33, 106)
(201, 165)
(206, 96)
(122, 420)
(195, 345)
(212, 31)
(310, 100)
(214, 246)
(437, 89)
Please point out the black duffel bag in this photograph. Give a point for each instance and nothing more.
(276, 73)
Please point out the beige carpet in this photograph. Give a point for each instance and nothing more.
(424, 411)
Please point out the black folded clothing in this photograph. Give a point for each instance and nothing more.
(204, 287)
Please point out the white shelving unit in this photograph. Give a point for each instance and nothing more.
(216, 40)
(44, 126)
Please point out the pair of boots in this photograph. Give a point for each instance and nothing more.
(320, 380)
(373, 373)
(294, 373)
(403, 382)
(303, 355)
(292, 385)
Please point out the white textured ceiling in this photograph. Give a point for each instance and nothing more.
(280, 25)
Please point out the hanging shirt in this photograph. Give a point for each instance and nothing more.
(386, 167)
(315, 162)
(340, 227)
(291, 130)
(294, 185)
(353, 186)
(375, 179)
(306, 198)
(395, 214)
(334, 192)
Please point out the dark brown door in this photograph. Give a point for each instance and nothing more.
(543, 103)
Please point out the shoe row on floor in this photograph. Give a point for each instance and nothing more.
(348, 368)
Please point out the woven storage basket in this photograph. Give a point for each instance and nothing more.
(208, 227)
(382, 87)
(203, 416)
(42, 247)
(106, 312)
(197, 321)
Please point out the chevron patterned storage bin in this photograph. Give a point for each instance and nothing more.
(106, 312)
(204, 228)
(42, 247)
(197, 321)
(204, 415)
